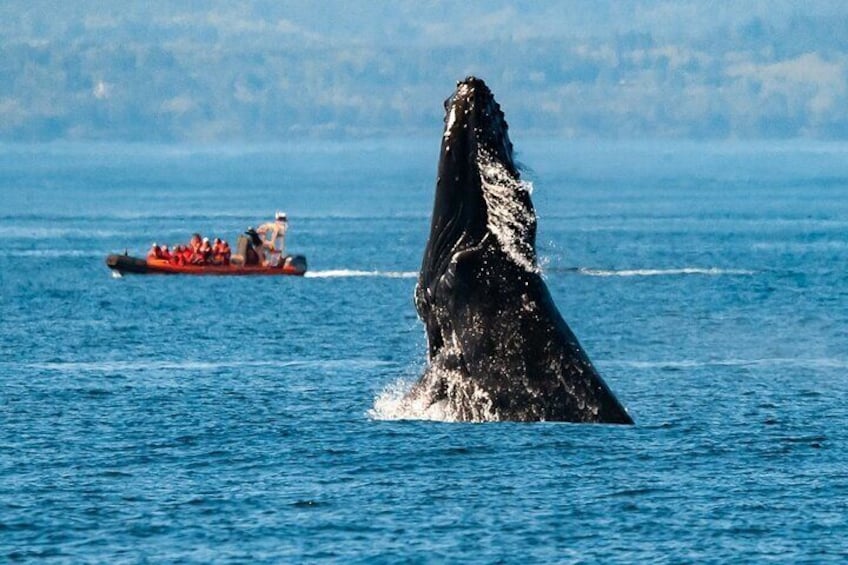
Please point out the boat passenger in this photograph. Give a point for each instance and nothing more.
(165, 253)
(225, 253)
(206, 251)
(196, 247)
(216, 245)
(218, 255)
(186, 255)
(275, 234)
(155, 252)
(176, 256)
(195, 242)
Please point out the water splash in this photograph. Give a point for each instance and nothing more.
(345, 273)
(443, 394)
(199, 366)
(766, 362)
(510, 219)
(51, 253)
(712, 271)
(395, 403)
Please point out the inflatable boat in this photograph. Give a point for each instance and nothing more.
(124, 264)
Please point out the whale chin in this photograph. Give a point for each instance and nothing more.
(498, 349)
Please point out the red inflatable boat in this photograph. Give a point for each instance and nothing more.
(123, 264)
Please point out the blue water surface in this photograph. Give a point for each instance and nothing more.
(180, 419)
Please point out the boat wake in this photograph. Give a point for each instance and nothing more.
(767, 362)
(195, 366)
(347, 273)
(712, 271)
(51, 253)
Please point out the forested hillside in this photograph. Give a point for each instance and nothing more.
(266, 71)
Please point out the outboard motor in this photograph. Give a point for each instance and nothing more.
(250, 241)
(245, 251)
(298, 262)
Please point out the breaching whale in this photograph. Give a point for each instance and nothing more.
(498, 348)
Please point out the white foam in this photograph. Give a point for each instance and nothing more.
(345, 273)
(818, 363)
(393, 403)
(396, 403)
(403, 400)
(48, 233)
(711, 271)
(509, 219)
(196, 366)
(800, 246)
(51, 253)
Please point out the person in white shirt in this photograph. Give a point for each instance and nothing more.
(274, 237)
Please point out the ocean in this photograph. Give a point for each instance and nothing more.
(256, 420)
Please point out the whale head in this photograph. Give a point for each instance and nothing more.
(479, 191)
